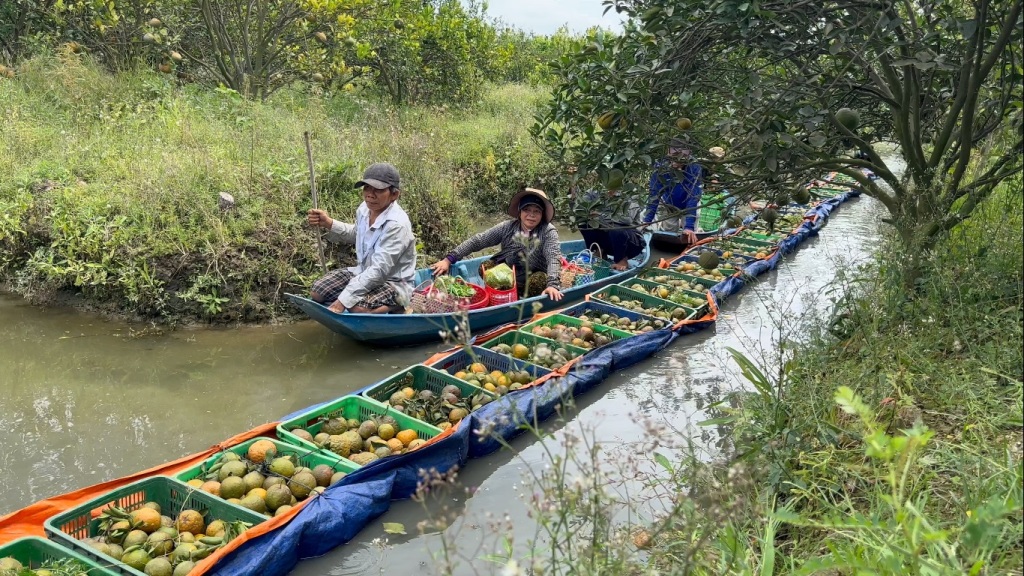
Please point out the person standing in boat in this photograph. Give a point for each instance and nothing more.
(615, 235)
(675, 190)
(382, 279)
(528, 242)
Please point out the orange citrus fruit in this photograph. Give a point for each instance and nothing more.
(191, 521)
(147, 520)
(259, 450)
(211, 486)
(406, 436)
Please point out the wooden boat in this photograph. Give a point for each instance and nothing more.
(408, 329)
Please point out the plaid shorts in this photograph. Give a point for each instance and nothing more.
(333, 284)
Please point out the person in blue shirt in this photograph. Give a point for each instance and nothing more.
(675, 190)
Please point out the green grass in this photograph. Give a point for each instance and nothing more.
(111, 184)
(892, 443)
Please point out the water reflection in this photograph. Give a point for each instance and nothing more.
(85, 401)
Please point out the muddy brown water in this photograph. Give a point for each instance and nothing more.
(84, 400)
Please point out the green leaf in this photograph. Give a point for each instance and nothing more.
(394, 528)
(663, 461)
(724, 420)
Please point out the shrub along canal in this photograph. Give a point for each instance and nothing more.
(85, 400)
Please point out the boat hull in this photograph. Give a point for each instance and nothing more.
(411, 329)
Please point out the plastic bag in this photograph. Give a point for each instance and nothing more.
(500, 277)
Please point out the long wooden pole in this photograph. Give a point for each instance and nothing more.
(316, 200)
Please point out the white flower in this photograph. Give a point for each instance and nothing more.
(512, 569)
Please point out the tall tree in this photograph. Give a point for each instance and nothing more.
(767, 79)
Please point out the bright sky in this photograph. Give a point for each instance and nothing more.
(546, 16)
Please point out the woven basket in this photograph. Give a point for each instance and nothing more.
(430, 300)
(577, 271)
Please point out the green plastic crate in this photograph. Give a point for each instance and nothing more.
(172, 495)
(516, 337)
(753, 242)
(308, 458)
(594, 308)
(614, 333)
(423, 378)
(349, 407)
(653, 273)
(700, 279)
(757, 236)
(648, 284)
(709, 216)
(33, 552)
(646, 300)
(457, 361)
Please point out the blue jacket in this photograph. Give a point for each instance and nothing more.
(683, 195)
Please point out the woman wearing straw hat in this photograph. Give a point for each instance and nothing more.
(528, 242)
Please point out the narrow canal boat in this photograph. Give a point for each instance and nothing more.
(408, 329)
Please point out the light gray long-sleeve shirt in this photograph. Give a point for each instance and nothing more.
(385, 252)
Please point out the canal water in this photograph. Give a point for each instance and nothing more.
(84, 400)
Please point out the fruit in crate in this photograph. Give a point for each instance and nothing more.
(541, 354)
(715, 274)
(666, 293)
(160, 541)
(624, 323)
(249, 483)
(708, 260)
(679, 282)
(64, 567)
(583, 336)
(731, 249)
(364, 441)
(495, 381)
(638, 306)
(445, 408)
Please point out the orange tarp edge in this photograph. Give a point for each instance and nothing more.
(29, 520)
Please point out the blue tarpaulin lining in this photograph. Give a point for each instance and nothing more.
(345, 508)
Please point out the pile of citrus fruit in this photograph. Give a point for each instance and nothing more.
(363, 441)
(613, 320)
(663, 312)
(693, 269)
(450, 404)
(159, 544)
(495, 381)
(668, 293)
(263, 480)
(582, 336)
(541, 354)
(11, 566)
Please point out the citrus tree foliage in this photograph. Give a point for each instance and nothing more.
(258, 46)
(112, 30)
(251, 46)
(20, 21)
(940, 79)
(423, 51)
(527, 58)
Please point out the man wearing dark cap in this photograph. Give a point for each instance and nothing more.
(676, 188)
(382, 279)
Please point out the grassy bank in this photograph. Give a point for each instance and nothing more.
(110, 184)
(891, 443)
